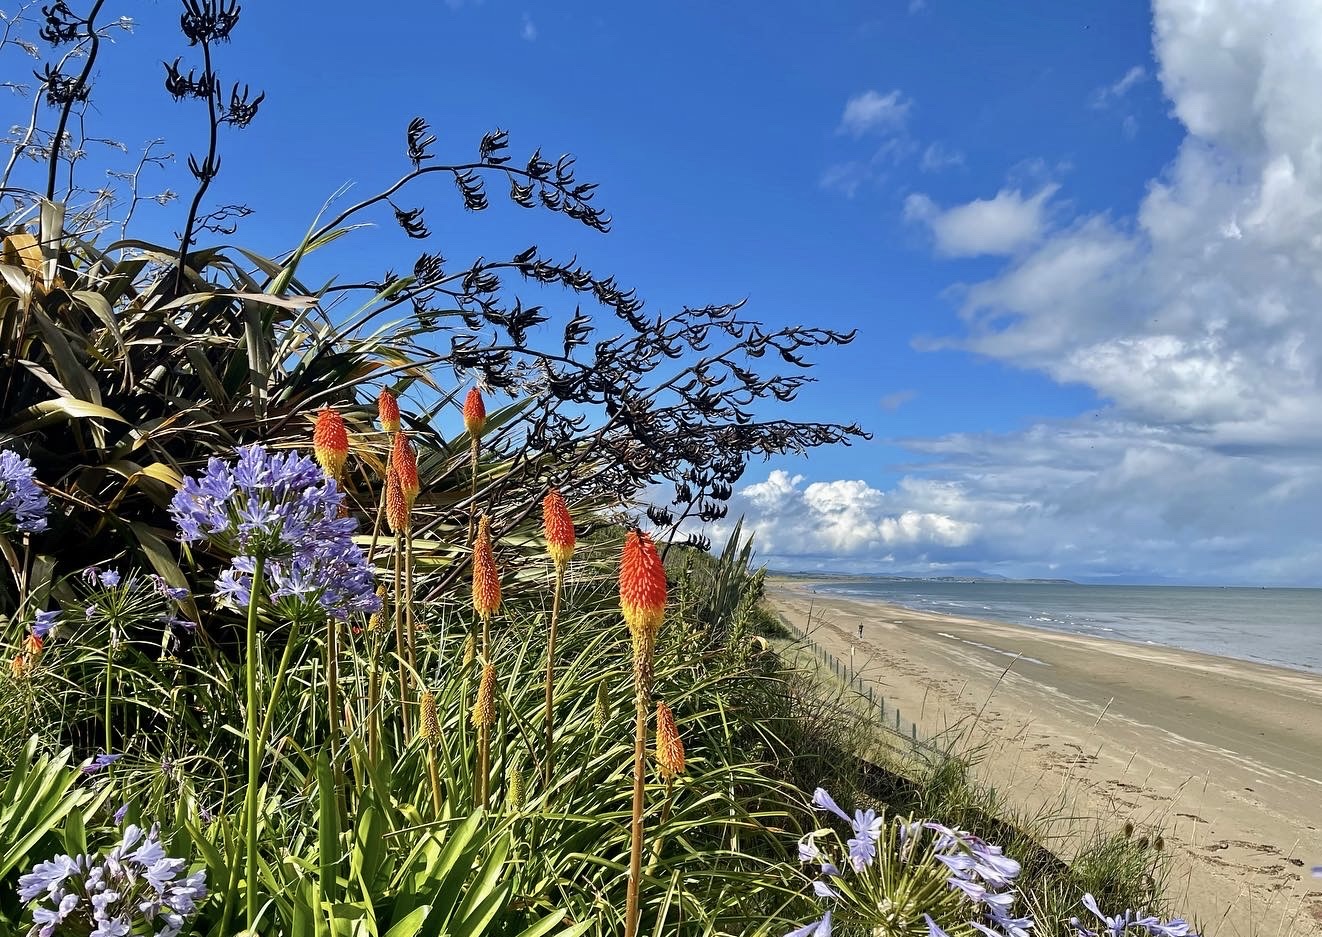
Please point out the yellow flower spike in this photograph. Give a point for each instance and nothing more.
(669, 746)
(484, 709)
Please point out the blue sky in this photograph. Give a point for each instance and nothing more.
(1076, 239)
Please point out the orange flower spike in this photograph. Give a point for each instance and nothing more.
(18, 666)
(669, 746)
(398, 514)
(486, 578)
(34, 643)
(559, 529)
(330, 442)
(475, 413)
(642, 584)
(405, 463)
(484, 707)
(387, 409)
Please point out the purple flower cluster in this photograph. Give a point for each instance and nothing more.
(281, 510)
(1120, 924)
(23, 505)
(117, 602)
(983, 873)
(134, 884)
(979, 871)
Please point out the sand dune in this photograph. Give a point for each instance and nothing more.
(1224, 757)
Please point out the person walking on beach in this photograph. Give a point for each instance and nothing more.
(860, 631)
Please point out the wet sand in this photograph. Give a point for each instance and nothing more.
(1223, 757)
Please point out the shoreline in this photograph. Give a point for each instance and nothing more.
(796, 584)
(1221, 755)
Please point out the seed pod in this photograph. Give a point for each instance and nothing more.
(514, 793)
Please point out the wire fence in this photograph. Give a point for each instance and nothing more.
(887, 716)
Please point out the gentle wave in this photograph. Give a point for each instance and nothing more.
(1281, 627)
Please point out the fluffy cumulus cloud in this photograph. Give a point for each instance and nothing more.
(873, 111)
(1194, 314)
(999, 225)
(847, 522)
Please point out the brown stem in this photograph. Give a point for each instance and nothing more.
(636, 828)
(550, 673)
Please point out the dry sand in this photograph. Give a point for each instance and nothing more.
(1223, 757)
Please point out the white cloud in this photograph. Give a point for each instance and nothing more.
(873, 111)
(899, 398)
(937, 157)
(845, 518)
(1107, 95)
(1191, 314)
(529, 29)
(999, 225)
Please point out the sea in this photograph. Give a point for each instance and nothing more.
(1281, 627)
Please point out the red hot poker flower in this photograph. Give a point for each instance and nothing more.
(486, 578)
(475, 413)
(405, 462)
(330, 442)
(558, 527)
(387, 409)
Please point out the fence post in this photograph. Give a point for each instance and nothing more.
(914, 731)
(897, 718)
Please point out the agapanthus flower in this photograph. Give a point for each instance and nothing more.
(23, 505)
(134, 886)
(1118, 925)
(865, 823)
(279, 509)
(43, 622)
(100, 762)
(821, 928)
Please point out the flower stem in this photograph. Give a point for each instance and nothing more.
(550, 673)
(110, 675)
(636, 828)
(483, 729)
(400, 646)
(254, 746)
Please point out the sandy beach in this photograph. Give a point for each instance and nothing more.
(1223, 757)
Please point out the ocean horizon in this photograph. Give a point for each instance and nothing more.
(1275, 626)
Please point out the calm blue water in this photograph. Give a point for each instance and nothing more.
(1271, 626)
